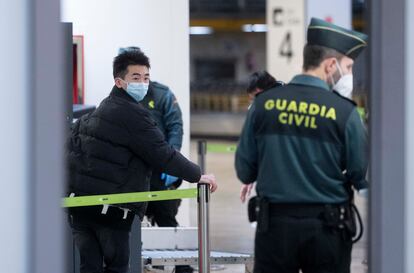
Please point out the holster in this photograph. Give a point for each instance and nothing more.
(340, 218)
(252, 209)
(258, 210)
(350, 221)
(331, 216)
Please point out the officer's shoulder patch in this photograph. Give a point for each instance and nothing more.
(345, 98)
(158, 85)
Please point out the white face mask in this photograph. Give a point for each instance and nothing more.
(345, 84)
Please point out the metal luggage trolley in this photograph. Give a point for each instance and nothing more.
(178, 246)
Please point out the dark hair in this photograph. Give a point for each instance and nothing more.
(314, 55)
(125, 59)
(260, 79)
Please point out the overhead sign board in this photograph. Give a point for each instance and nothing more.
(285, 37)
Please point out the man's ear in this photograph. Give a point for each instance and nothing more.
(118, 82)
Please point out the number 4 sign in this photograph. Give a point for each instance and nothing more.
(285, 49)
(285, 37)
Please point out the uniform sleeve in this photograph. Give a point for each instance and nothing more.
(147, 142)
(173, 122)
(246, 161)
(356, 146)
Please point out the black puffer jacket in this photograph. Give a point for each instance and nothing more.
(115, 148)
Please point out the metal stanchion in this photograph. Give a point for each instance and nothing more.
(202, 150)
(203, 215)
(203, 229)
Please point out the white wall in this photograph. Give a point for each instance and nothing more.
(160, 28)
(339, 12)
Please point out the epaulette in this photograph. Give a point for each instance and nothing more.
(345, 98)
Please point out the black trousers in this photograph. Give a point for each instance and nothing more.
(102, 249)
(162, 213)
(291, 244)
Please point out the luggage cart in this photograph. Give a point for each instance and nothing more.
(179, 246)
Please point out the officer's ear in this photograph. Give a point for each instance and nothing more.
(330, 66)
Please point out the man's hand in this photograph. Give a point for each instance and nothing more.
(209, 179)
(245, 191)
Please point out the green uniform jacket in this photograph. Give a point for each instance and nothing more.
(166, 112)
(303, 143)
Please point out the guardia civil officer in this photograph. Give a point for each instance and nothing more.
(306, 147)
(258, 82)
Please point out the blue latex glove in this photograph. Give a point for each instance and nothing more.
(168, 179)
(363, 193)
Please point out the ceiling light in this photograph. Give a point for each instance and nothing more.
(200, 30)
(254, 28)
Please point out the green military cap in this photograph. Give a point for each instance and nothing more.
(122, 50)
(347, 42)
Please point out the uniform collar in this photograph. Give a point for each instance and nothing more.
(303, 79)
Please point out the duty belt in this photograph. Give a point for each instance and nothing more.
(302, 210)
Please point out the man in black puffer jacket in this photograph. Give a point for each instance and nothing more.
(114, 150)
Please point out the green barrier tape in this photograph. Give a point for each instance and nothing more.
(221, 148)
(121, 198)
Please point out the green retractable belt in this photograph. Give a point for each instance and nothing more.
(121, 198)
(134, 197)
(221, 148)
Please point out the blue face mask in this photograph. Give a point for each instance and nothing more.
(137, 90)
